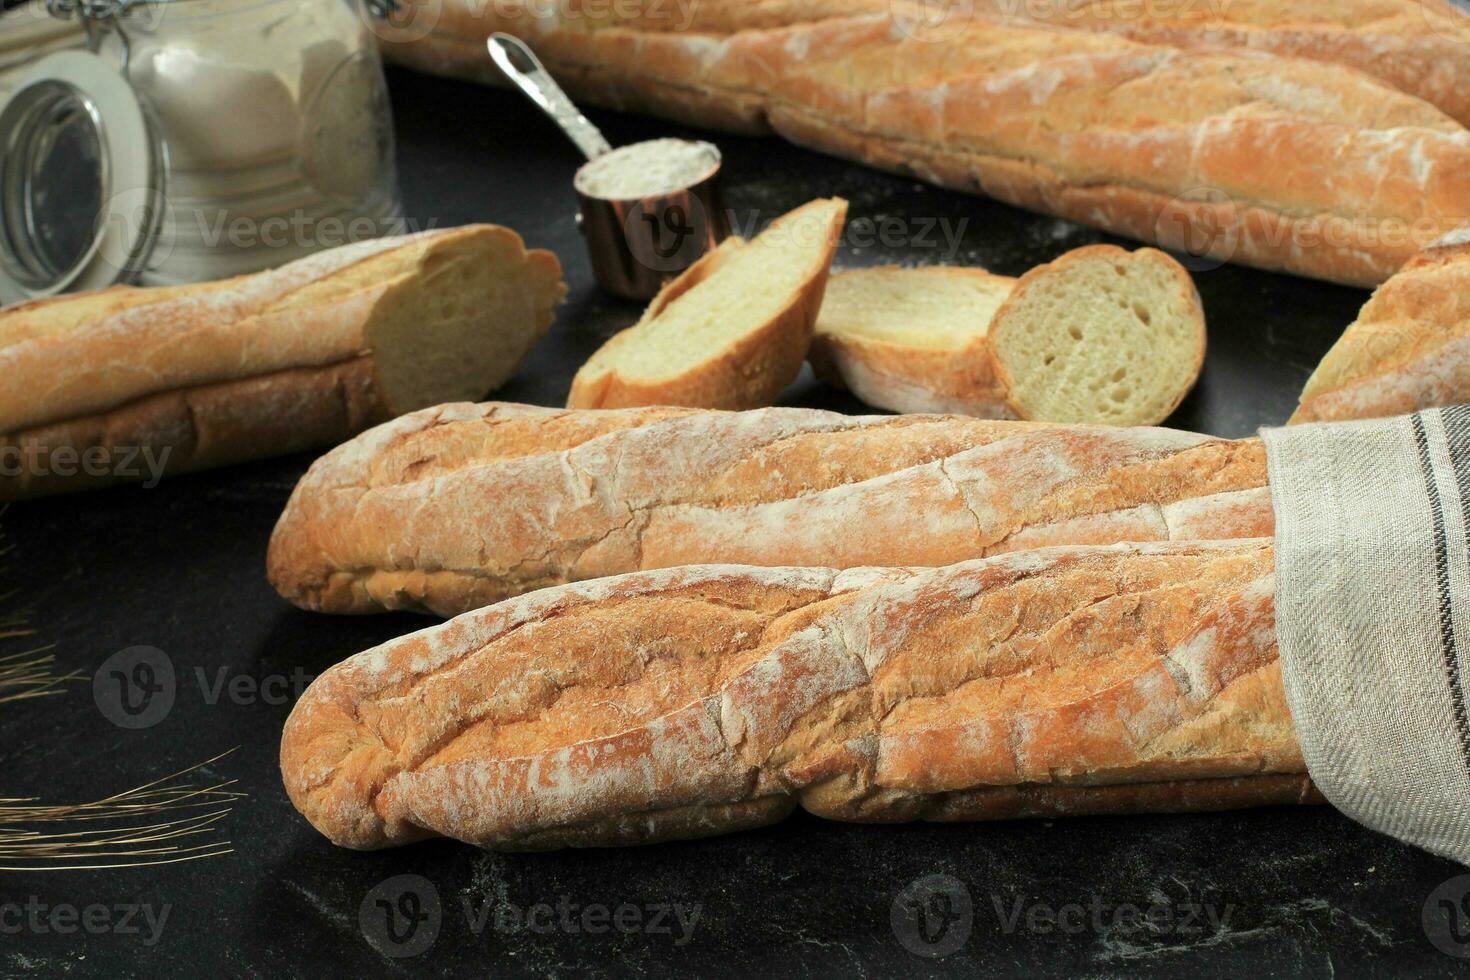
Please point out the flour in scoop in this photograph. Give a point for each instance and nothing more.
(647, 169)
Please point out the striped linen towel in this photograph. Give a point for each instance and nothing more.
(1373, 616)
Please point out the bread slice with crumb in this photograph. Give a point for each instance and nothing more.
(1100, 336)
(913, 340)
(730, 332)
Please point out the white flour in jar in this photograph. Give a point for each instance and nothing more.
(647, 169)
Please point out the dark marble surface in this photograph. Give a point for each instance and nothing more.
(1276, 892)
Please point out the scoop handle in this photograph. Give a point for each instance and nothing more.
(523, 68)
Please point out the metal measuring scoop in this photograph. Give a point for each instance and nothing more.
(639, 242)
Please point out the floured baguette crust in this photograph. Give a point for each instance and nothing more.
(217, 373)
(699, 700)
(1146, 140)
(1408, 350)
(1421, 47)
(463, 505)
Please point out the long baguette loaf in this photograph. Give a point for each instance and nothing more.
(463, 505)
(1149, 141)
(1419, 46)
(1409, 349)
(695, 701)
(303, 356)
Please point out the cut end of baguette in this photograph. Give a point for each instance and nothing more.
(729, 333)
(933, 308)
(461, 312)
(1101, 336)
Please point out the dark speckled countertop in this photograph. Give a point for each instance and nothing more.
(1274, 892)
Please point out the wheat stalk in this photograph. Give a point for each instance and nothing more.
(165, 821)
(28, 674)
(132, 833)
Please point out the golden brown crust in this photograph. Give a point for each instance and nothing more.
(217, 332)
(910, 379)
(455, 507)
(1417, 46)
(698, 700)
(1366, 174)
(193, 429)
(1408, 350)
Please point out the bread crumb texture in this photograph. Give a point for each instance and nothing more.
(1101, 335)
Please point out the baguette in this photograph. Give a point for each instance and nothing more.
(1421, 47)
(732, 331)
(300, 357)
(1143, 140)
(1100, 336)
(463, 505)
(1408, 350)
(697, 701)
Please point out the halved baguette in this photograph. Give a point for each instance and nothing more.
(299, 357)
(731, 331)
(696, 701)
(1100, 335)
(462, 505)
(1409, 348)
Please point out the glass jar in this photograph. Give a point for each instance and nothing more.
(265, 135)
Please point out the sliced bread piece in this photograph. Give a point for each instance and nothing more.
(732, 331)
(1100, 335)
(913, 340)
